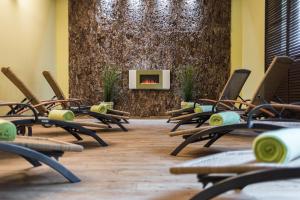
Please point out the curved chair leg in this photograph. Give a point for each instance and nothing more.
(108, 119)
(33, 162)
(29, 131)
(181, 122)
(34, 155)
(208, 134)
(21, 130)
(104, 122)
(114, 121)
(118, 123)
(73, 133)
(99, 140)
(77, 129)
(215, 138)
(121, 126)
(241, 181)
(178, 124)
(180, 147)
(202, 121)
(188, 141)
(93, 135)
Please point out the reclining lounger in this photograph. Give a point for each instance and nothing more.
(212, 134)
(82, 109)
(234, 170)
(231, 91)
(23, 122)
(277, 71)
(41, 106)
(38, 150)
(266, 92)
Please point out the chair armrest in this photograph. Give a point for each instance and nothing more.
(29, 107)
(214, 103)
(250, 106)
(276, 106)
(50, 102)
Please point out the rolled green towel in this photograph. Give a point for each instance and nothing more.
(203, 108)
(101, 108)
(63, 115)
(224, 118)
(188, 105)
(8, 130)
(278, 146)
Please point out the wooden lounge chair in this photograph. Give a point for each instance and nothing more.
(278, 70)
(266, 92)
(24, 123)
(212, 134)
(83, 109)
(234, 170)
(38, 150)
(231, 91)
(42, 106)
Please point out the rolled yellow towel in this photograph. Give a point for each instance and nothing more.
(203, 108)
(224, 118)
(279, 146)
(8, 130)
(188, 105)
(63, 115)
(101, 108)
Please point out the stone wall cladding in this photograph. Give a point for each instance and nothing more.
(148, 34)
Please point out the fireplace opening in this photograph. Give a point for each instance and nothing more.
(147, 79)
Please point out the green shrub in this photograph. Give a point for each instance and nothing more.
(110, 77)
(187, 83)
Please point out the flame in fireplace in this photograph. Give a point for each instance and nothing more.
(149, 82)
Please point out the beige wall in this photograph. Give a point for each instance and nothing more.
(236, 35)
(33, 38)
(27, 38)
(247, 40)
(62, 45)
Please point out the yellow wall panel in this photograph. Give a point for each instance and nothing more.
(249, 15)
(34, 37)
(236, 35)
(27, 38)
(62, 45)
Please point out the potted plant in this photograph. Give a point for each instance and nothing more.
(110, 77)
(187, 83)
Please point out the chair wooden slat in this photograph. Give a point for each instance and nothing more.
(44, 144)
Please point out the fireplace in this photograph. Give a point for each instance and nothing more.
(149, 79)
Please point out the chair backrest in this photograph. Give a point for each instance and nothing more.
(274, 77)
(235, 84)
(55, 87)
(24, 89)
(289, 91)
